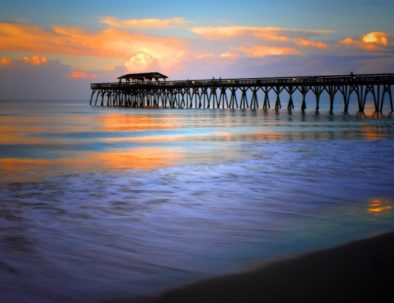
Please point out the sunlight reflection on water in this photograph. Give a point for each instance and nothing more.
(88, 140)
(380, 206)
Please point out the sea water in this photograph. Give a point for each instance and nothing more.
(103, 204)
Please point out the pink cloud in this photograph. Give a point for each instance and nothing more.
(229, 55)
(205, 56)
(263, 51)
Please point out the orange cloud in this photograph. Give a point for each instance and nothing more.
(229, 55)
(270, 33)
(5, 61)
(376, 38)
(273, 34)
(144, 23)
(81, 75)
(369, 41)
(310, 43)
(108, 43)
(263, 51)
(35, 60)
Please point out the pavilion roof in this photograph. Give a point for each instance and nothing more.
(143, 76)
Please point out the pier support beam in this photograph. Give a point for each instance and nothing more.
(304, 91)
(244, 99)
(91, 96)
(290, 104)
(254, 104)
(332, 90)
(278, 90)
(223, 101)
(361, 97)
(345, 90)
(317, 90)
(233, 98)
(266, 104)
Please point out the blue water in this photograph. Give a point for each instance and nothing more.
(102, 203)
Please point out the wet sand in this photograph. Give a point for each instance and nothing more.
(361, 271)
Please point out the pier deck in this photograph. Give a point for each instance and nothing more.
(245, 93)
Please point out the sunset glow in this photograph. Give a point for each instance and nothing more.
(82, 75)
(369, 41)
(35, 60)
(185, 44)
(377, 38)
(5, 61)
(379, 207)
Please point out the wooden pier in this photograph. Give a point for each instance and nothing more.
(151, 90)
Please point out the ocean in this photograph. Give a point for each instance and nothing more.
(100, 204)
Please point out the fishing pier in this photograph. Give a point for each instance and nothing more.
(152, 90)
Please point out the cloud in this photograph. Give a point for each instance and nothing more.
(264, 41)
(221, 32)
(82, 75)
(263, 51)
(369, 41)
(51, 81)
(268, 33)
(379, 38)
(106, 43)
(35, 60)
(205, 56)
(5, 61)
(229, 55)
(141, 62)
(154, 23)
(214, 51)
(310, 43)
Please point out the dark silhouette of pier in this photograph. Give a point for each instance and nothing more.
(151, 90)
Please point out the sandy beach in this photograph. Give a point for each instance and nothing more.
(361, 271)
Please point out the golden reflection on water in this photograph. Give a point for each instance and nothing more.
(369, 108)
(22, 129)
(25, 130)
(144, 158)
(152, 139)
(379, 206)
(371, 133)
(127, 122)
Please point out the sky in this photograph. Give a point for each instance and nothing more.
(55, 49)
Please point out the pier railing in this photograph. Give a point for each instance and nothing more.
(216, 92)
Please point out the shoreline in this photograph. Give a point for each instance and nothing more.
(359, 271)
